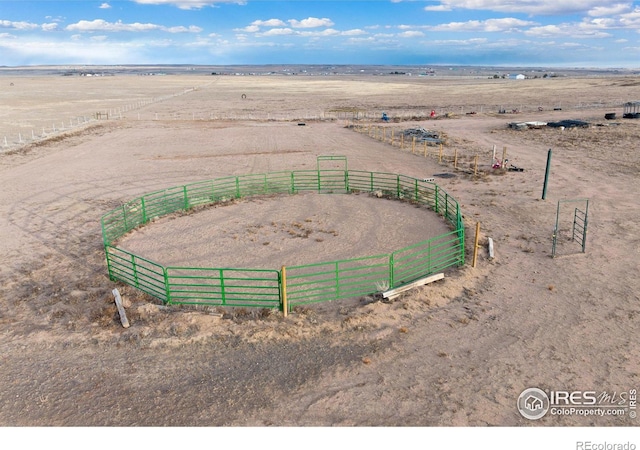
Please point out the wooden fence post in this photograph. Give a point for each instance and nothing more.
(285, 307)
(475, 245)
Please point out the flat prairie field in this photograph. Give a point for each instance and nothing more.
(457, 352)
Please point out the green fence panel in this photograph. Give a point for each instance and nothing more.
(113, 226)
(389, 184)
(305, 180)
(332, 181)
(201, 193)
(224, 287)
(361, 181)
(279, 182)
(225, 188)
(425, 194)
(426, 258)
(264, 184)
(314, 283)
(135, 271)
(161, 203)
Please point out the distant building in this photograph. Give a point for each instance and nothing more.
(517, 76)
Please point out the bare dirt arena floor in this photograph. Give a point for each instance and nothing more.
(455, 353)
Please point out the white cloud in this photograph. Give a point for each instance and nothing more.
(269, 23)
(543, 7)
(631, 20)
(105, 6)
(248, 29)
(187, 4)
(610, 10)
(581, 30)
(461, 42)
(311, 22)
(21, 26)
(437, 8)
(326, 32)
(354, 32)
(57, 19)
(278, 32)
(280, 28)
(489, 25)
(411, 34)
(181, 29)
(103, 25)
(49, 26)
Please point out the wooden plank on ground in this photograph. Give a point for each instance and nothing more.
(123, 315)
(421, 282)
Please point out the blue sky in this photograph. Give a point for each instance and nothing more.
(569, 33)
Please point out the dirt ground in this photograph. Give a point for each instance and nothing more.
(455, 353)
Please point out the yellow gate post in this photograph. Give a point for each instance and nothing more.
(285, 307)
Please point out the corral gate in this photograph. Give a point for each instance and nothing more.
(335, 175)
(578, 218)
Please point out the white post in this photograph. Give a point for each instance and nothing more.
(6, 144)
(20, 138)
(493, 158)
(33, 136)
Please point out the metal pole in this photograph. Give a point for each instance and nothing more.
(555, 231)
(584, 231)
(546, 175)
